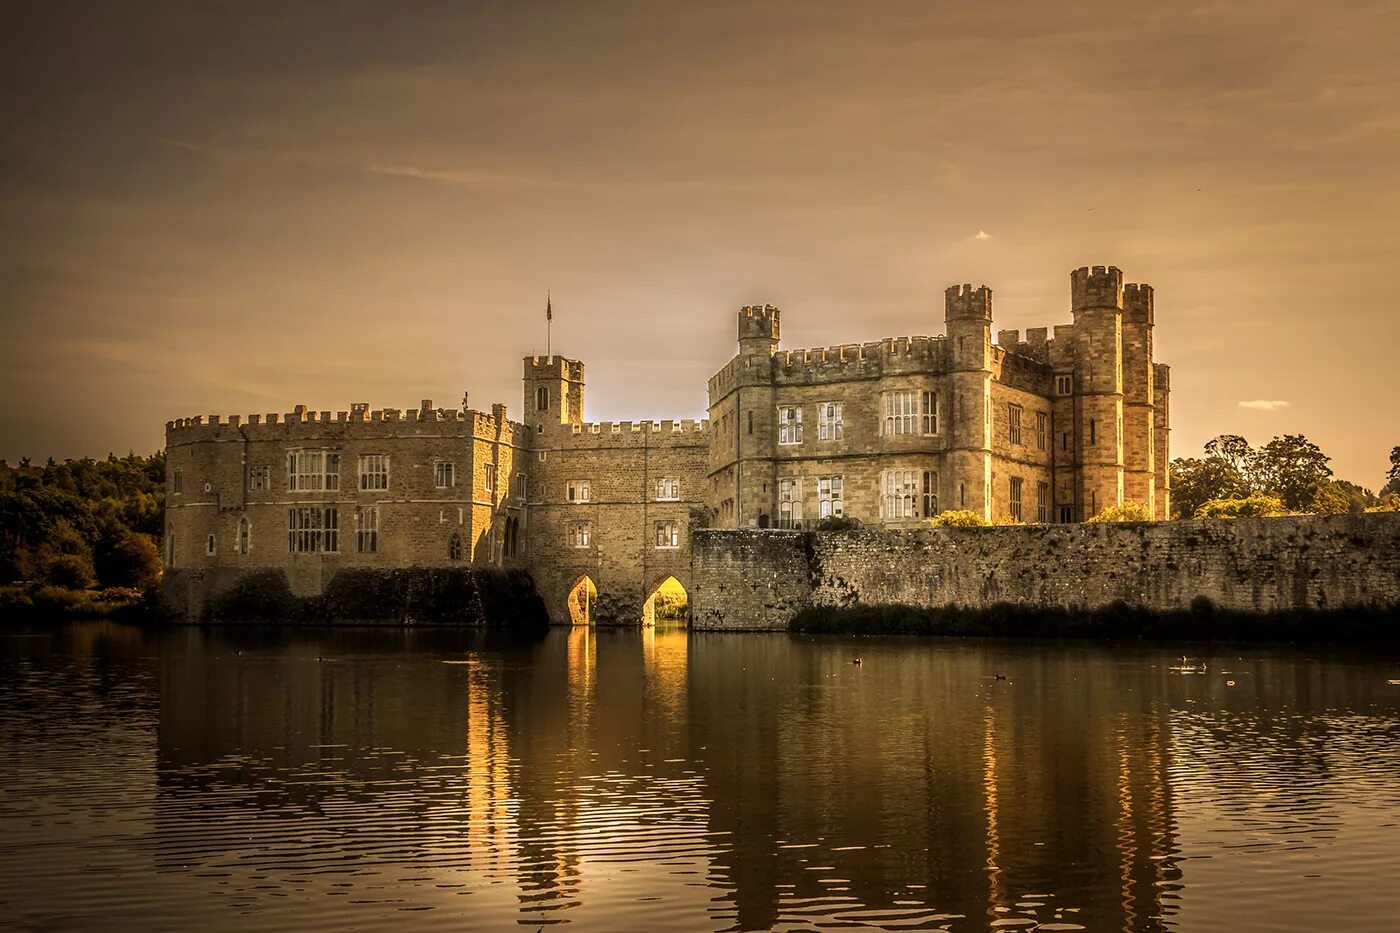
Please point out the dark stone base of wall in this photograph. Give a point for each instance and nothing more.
(1203, 622)
(457, 596)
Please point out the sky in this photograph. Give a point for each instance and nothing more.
(237, 207)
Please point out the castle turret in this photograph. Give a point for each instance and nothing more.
(759, 329)
(553, 391)
(1139, 398)
(967, 313)
(1097, 297)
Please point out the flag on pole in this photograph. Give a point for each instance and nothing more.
(548, 307)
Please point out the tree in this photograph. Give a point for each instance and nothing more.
(1392, 476)
(1291, 467)
(1197, 481)
(134, 561)
(1127, 512)
(1234, 450)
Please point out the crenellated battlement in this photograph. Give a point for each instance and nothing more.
(1161, 378)
(1096, 287)
(759, 322)
(360, 421)
(963, 302)
(537, 367)
(1137, 304)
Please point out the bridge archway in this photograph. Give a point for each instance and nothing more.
(667, 602)
(582, 600)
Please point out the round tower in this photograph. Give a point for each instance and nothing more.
(1097, 303)
(967, 314)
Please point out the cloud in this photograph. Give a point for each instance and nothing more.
(1261, 404)
(982, 235)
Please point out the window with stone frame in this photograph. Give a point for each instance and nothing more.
(313, 470)
(367, 530)
(1013, 423)
(789, 503)
(1066, 514)
(244, 535)
(374, 471)
(313, 529)
(259, 477)
(928, 412)
(1016, 484)
(831, 496)
(901, 412)
(901, 495)
(542, 398)
(1042, 502)
(211, 545)
(829, 421)
(930, 503)
(444, 474)
(790, 424)
(668, 534)
(454, 547)
(1042, 429)
(578, 490)
(580, 534)
(668, 490)
(488, 477)
(177, 482)
(1064, 385)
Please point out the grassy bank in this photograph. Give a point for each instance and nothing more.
(1203, 622)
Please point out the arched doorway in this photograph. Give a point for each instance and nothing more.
(583, 597)
(667, 604)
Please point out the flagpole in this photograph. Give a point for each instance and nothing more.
(548, 324)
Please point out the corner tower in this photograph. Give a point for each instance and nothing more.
(967, 313)
(553, 391)
(1139, 399)
(760, 327)
(1097, 303)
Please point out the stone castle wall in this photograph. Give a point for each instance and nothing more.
(759, 580)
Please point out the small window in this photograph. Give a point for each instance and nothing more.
(930, 493)
(1066, 514)
(1093, 434)
(1064, 441)
(259, 478)
(1064, 385)
(579, 490)
(1013, 424)
(1042, 429)
(1016, 484)
(928, 412)
(211, 546)
(177, 482)
(170, 549)
(580, 534)
(542, 398)
(789, 503)
(750, 422)
(454, 547)
(668, 534)
(374, 471)
(830, 421)
(831, 496)
(488, 477)
(244, 535)
(444, 474)
(668, 489)
(1042, 502)
(790, 425)
(367, 530)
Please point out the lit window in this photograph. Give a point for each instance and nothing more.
(1042, 429)
(244, 535)
(177, 482)
(367, 530)
(210, 546)
(668, 489)
(259, 478)
(830, 494)
(313, 470)
(789, 503)
(445, 474)
(579, 490)
(313, 530)
(1016, 484)
(829, 425)
(374, 471)
(580, 534)
(900, 499)
(790, 425)
(930, 493)
(1013, 429)
(668, 534)
(1042, 502)
(1064, 385)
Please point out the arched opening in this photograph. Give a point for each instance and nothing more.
(542, 398)
(668, 604)
(454, 547)
(582, 600)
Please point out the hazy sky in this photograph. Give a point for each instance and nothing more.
(236, 207)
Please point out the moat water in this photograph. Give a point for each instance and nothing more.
(377, 779)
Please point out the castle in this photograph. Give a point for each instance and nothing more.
(1052, 428)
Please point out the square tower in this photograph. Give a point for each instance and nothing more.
(553, 391)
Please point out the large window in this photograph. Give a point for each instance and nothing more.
(668, 489)
(830, 495)
(259, 477)
(367, 530)
(445, 474)
(374, 471)
(668, 534)
(1042, 502)
(789, 425)
(829, 426)
(930, 502)
(928, 412)
(1016, 484)
(313, 530)
(579, 490)
(901, 495)
(580, 534)
(1013, 423)
(313, 470)
(910, 411)
(789, 503)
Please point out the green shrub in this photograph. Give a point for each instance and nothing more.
(836, 523)
(259, 596)
(1390, 503)
(70, 571)
(1257, 505)
(1127, 512)
(958, 518)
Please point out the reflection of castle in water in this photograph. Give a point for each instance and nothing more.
(913, 785)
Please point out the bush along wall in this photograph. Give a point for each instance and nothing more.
(406, 596)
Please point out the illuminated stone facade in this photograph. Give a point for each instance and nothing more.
(1052, 428)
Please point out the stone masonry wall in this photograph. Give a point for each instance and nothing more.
(761, 579)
